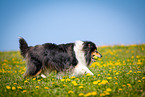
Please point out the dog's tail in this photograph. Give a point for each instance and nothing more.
(23, 46)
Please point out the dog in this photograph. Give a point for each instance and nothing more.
(72, 58)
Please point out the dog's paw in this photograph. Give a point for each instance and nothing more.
(43, 76)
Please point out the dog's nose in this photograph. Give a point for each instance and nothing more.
(99, 55)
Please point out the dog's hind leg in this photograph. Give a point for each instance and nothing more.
(34, 68)
(38, 73)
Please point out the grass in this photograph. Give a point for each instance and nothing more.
(120, 72)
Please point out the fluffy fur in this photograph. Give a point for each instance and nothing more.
(71, 58)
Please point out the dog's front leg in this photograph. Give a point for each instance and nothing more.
(80, 70)
(88, 71)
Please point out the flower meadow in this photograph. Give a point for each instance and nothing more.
(119, 73)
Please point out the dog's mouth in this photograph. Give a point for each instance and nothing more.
(93, 60)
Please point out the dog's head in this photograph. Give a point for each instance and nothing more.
(95, 54)
(91, 50)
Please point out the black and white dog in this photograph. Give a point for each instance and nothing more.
(71, 58)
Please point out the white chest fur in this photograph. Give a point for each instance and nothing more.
(78, 48)
(81, 68)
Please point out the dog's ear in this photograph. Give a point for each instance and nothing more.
(89, 45)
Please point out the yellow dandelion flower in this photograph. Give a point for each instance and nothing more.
(102, 94)
(5, 60)
(14, 83)
(64, 85)
(109, 77)
(73, 82)
(139, 81)
(138, 71)
(107, 93)
(104, 82)
(25, 81)
(37, 87)
(24, 91)
(124, 85)
(3, 64)
(80, 87)
(95, 82)
(116, 73)
(73, 77)
(70, 92)
(88, 74)
(130, 71)
(94, 93)
(108, 89)
(77, 79)
(19, 87)
(22, 72)
(108, 74)
(120, 89)
(62, 80)
(99, 83)
(116, 83)
(13, 88)
(34, 78)
(46, 87)
(8, 87)
(98, 75)
(143, 77)
(53, 83)
(0, 70)
(88, 94)
(81, 94)
(129, 85)
(68, 79)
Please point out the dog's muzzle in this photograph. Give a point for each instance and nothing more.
(95, 54)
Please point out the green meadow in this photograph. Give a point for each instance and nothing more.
(119, 73)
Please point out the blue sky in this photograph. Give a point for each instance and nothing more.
(105, 22)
